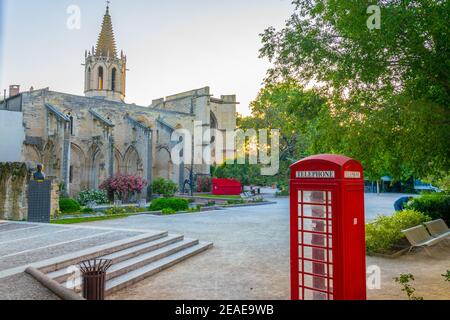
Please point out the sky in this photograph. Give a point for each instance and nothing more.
(172, 46)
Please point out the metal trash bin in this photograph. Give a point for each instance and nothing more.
(94, 278)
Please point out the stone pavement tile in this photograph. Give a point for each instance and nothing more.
(14, 226)
(59, 250)
(24, 287)
(29, 233)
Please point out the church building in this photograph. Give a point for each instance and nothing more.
(83, 140)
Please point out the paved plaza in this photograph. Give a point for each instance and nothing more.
(250, 258)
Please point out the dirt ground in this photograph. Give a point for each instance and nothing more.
(427, 271)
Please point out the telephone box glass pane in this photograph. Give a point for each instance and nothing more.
(315, 211)
(319, 240)
(314, 282)
(314, 225)
(319, 197)
(317, 268)
(317, 254)
(314, 295)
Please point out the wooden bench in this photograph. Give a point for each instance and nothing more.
(419, 237)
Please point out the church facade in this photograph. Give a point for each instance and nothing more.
(83, 140)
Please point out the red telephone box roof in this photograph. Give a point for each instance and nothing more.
(323, 162)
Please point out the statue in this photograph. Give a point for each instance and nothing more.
(39, 174)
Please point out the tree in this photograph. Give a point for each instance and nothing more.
(388, 89)
(166, 188)
(288, 107)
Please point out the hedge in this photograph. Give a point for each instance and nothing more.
(67, 205)
(383, 234)
(435, 205)
(169, 203)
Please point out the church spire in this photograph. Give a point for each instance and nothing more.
(106, 44)
(105, 71)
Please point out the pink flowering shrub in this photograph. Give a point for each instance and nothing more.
(124, 186)
(204, 184)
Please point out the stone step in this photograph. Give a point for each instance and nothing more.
(130, 265)
(96, 252)
(138, 262)
(62, 275)
(146, 271)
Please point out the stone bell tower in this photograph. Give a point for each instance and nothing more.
(105, 72)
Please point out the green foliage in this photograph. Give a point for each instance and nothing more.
(387, 90)
(115, 211)
(166, 188)
(87, 210)
(231, 202)
(435, 205)
(175, 204)
(124, 210)
(288, 107)
(249, 174)
(67, 205)
(383, 234)
(440, 180)
(283, 193)
(210, 204)
(89, 219)
(447, 276)
(92, 196)
(168, 211)
(405, 281)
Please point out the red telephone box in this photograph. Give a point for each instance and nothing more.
(328, 250)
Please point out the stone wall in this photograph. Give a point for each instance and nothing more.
(54, 200)
(12, 136)
(14, 179)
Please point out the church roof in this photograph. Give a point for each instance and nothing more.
(106, 42)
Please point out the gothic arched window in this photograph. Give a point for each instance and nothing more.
(71, 124)
(100, 78)
(113, 79)
(88, 81)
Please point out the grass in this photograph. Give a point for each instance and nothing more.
(91, 219)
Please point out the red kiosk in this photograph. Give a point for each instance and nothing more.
(328, 256)
(226, 187)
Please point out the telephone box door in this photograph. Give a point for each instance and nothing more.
(314, 229)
